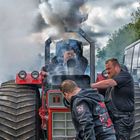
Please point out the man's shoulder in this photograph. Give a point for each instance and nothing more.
(125, 73)
(122, 74)
(123, 78)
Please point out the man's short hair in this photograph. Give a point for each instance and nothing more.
(68, 86)
(114, 61)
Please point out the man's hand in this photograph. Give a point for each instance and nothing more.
(93, 86)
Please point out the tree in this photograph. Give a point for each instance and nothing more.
(136, 20)
(101, 55)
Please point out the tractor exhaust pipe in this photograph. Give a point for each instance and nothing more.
(47, 51)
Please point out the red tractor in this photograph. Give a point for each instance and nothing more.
(33, 108)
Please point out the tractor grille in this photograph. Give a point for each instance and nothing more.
(62, 127)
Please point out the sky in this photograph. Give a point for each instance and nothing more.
(100, 17)
(25, 25)
(108, 16)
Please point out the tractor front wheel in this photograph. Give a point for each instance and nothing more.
(19, 119)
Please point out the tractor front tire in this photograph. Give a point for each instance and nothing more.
(19, 119)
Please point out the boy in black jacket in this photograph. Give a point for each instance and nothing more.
(89, 113)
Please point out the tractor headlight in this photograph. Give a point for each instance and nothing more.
(35, 74)
(22, 74)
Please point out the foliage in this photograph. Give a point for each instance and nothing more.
(101, 55)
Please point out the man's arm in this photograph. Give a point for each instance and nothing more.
(104, 84)
(84, 122)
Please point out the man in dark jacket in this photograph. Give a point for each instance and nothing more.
(89, 113)
(121, 104)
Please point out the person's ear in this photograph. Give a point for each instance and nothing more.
(117, 68)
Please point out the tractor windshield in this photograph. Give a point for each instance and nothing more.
(69, 58)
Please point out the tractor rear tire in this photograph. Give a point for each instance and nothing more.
(19, 105)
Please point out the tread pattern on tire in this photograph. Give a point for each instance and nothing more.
(18, 110)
